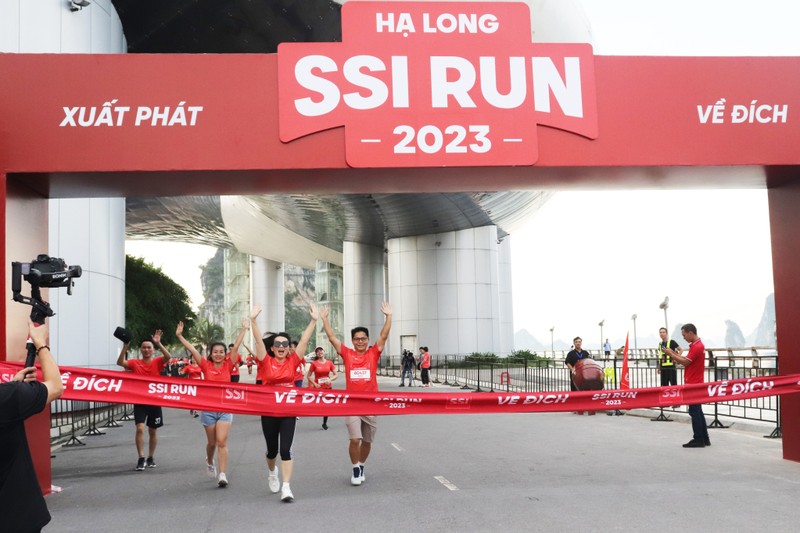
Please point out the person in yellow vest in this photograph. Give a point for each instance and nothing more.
(666, 366)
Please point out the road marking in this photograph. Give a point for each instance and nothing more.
(444, 482)
(397, 447)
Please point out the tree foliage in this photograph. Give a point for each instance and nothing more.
(204, 333)
(153, 301)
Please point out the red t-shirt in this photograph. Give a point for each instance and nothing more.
(235, 361)
(193, 371)
(279, 373)
(213, 373)
(695, 373)
(360, 370)
(426, 360)
(150, 368)
(322, 371)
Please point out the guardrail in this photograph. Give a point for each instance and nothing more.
(72, 419)
(549, 375)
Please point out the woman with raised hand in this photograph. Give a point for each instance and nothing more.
(217, 425)
(279, 363)
(321, 375)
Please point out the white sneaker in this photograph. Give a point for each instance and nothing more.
(223, 480)
(211, 471)
(355, 479)
(362, 477)
(274, 482)
(286, 494)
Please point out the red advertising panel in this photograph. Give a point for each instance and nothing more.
(436, 84)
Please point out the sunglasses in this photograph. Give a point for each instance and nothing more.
(278, 344)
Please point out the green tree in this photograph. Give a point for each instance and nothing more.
(204, 333)
(153, 301)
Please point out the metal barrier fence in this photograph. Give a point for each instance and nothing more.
(72, 419)
(551, 375)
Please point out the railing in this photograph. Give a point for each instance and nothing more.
(72, 419)
(549, 375)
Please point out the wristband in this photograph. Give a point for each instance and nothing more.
(42, 347)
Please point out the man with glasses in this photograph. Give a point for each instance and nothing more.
(360, 369)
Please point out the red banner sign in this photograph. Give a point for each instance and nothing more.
(436, 84)
(123, 387)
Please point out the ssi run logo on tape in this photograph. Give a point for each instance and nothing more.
(436, 84)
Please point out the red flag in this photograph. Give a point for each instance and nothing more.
(625, 382)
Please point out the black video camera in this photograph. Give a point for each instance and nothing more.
(47, 272)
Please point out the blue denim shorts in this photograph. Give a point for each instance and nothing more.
(209, 418)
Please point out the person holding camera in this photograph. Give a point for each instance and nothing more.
(407, 367)
(150, 415)
(22, 504)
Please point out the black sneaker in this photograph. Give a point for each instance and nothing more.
(140, 464)
(707, 441)
(402, 385)
(151, 463)
(694, 444)
(324, 426)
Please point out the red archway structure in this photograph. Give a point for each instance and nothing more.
(102, 126)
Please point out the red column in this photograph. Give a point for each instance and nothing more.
(784, 219)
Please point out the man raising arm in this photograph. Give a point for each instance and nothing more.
(360, 369)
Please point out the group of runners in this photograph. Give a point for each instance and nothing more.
(278, 361)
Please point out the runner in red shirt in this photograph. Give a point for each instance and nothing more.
(319, 375)
(191, 371)
(217, 425)
(146, 414)
(233, 353)
(694, 363)
(360, 370)
(278, 368)
(250, 361)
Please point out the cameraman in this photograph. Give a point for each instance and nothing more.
(22, 505)
(407, 368)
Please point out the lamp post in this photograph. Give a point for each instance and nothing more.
(601, 335)
(551, 342)
(664, 305)
(635, 347)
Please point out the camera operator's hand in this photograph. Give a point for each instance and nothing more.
(25, 375)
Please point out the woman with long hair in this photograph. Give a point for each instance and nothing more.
(217, 425)
(279, 364)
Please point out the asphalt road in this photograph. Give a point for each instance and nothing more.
(517, 472)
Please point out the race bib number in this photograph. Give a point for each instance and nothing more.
(360, 374)
(322, 381)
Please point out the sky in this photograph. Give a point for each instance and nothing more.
(711, 257)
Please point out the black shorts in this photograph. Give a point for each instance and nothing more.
(149, 414)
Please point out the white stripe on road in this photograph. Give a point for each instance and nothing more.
(397, 447)
(444, 482)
